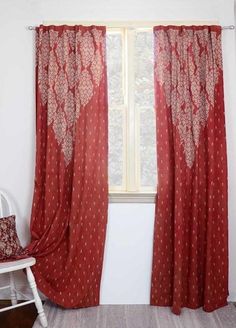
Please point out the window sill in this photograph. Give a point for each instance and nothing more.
(132, 197)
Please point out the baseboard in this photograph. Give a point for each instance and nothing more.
(232, 297)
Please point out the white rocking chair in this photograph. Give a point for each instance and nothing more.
(15, 265)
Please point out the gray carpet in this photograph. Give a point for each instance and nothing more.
(137, 316)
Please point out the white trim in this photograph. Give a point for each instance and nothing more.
(132, 197)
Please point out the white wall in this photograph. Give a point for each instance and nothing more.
(128, 255)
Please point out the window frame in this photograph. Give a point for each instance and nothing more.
(130, 189)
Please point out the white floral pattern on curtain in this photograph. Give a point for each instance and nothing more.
(184, 60)
(69, 210)
(69, 68)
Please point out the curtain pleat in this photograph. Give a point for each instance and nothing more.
(69, 212)
(190, 254)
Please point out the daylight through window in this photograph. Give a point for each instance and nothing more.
(132, 133)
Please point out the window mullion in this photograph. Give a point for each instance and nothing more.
(131, 127)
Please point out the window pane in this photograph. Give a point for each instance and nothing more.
(116, 102)
(114, 69)
(141, 95)
(115, 147)
(144, 80)
(144, 103)
(148, 148)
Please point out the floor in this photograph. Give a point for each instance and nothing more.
(137, 316)
(22, 317)
(117, 316)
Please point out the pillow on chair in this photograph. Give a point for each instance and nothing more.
(10, 247)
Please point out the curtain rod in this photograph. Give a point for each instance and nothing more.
(227, 27)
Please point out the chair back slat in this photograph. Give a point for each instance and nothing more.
(4, 199)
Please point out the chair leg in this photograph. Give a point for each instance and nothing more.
(13, 292)
(38, 302)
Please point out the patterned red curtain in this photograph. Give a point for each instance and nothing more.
(69, 213)
(190, 256)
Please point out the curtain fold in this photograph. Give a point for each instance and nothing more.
(69, 212)
(190, 254)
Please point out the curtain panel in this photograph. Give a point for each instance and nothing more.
(190, 255)
(69, 212)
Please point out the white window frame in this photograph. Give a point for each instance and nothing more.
(131, 189)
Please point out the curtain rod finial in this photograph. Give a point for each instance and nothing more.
(229, 27)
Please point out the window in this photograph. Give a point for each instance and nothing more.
(132, 133)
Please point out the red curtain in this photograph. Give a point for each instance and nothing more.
(190, 256)
(69, 213)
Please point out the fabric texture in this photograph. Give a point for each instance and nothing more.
(69, 212)
(10, 248)
(190, 255)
